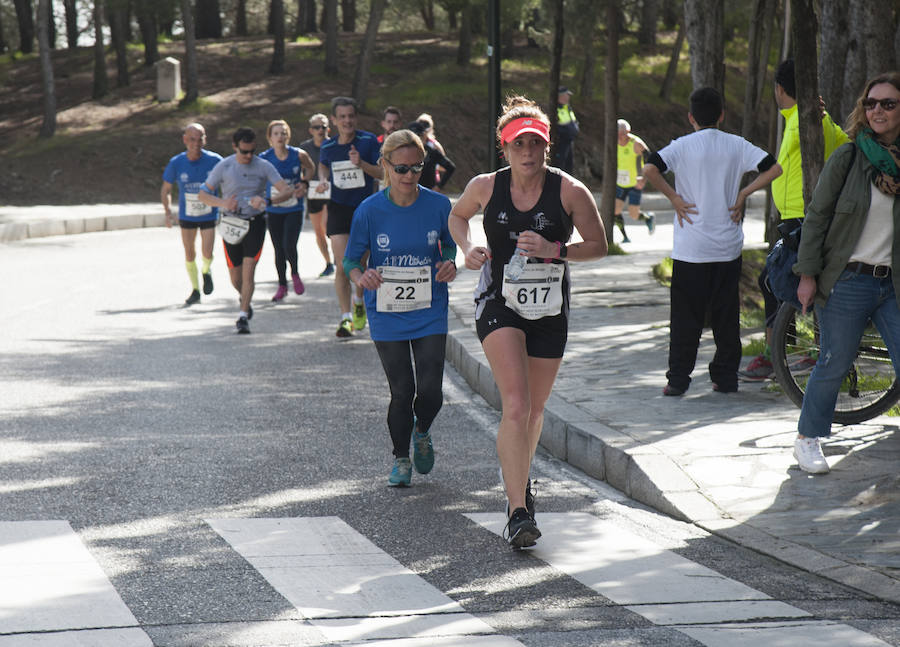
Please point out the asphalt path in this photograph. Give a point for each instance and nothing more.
(146, 428)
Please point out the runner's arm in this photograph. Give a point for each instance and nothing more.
(473, 200)
(165, 196)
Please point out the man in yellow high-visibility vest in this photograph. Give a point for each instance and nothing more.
(787, 193)
(566, 132)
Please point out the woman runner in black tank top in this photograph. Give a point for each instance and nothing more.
(522, 321)
(503, 223)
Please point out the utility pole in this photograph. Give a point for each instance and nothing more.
(493, 53)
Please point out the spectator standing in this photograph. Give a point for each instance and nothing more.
(708, 238)
(787, 193)
(849, 246)
(566, 129)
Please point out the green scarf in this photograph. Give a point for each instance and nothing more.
(885, 159)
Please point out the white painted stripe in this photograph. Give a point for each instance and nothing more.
(84, 638)
(349, 588)
(669, 589)
(623, 566)
(50, 582)
(781, 634)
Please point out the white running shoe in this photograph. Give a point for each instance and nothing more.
(808, 453)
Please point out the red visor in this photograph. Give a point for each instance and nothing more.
(524, 125)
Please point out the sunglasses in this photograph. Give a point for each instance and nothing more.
(318, 127)
(248, 151)
(886, 104)
(403, 169)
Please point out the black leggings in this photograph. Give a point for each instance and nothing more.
(421, 394)
(284, 229)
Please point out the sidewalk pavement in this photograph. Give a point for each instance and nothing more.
(720, 461)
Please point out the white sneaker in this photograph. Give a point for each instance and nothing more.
(808, 453)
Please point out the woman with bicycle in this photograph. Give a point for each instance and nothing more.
(849, 245)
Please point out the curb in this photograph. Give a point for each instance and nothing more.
(13, 231)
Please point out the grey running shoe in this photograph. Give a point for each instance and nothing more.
(243, 326)
(194, 298)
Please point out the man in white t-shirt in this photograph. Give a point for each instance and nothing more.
(706, 250)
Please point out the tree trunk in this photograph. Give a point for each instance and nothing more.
(71, 23)
(558, 20)
(306, 17)
(610, 131)
(366, 53)
(25, 18)
(464, 52)
(3, 45)
(208, 23)
(331, 49)
(426, 8)
(833, 55)
(854, 63)
(191, 89)
(276, 13)
(665, 92)
(101, 83)
(649, 18)
(48, 127)
(51, 26)
(452, 22)
(348, 16)
(582, 15)
(240, 18)
(878, 36)
(704, 26)
(755, 74)
(812, 143)
(115, 15)
(671, 16)
(146, 17)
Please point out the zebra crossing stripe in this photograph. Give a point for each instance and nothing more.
(49, 582)
(348, 588)
(671, 590)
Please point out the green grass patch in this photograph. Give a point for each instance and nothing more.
(202, 106)
(754, 347)
(662, 272)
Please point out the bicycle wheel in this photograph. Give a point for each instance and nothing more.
(871, 386)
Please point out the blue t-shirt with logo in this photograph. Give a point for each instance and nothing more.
(369, 151)
(410, 236)
(291, 171)
(189, 176)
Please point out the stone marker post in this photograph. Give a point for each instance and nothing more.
(168, 79)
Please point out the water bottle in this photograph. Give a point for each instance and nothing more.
(516, 265)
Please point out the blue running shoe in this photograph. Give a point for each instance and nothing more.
(401, 474)
(423, 451)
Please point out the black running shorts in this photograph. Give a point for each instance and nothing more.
(194, 224)
(340, 217)
(545, 337)
(251, 246)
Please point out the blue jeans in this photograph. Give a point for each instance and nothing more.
(856, 298)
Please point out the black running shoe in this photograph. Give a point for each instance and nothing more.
(521, 531)
(194, 298)
(207, 284)
(243, 327)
